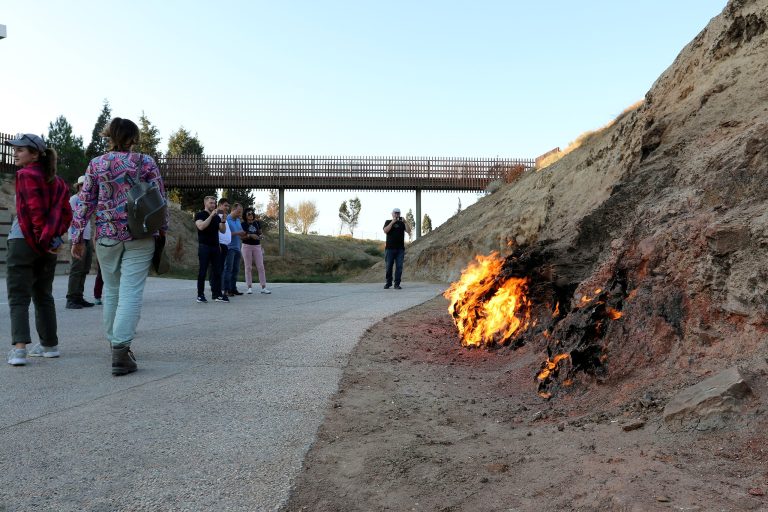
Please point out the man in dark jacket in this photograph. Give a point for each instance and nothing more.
(394, 250)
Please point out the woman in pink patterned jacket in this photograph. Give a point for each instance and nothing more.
(124, 260)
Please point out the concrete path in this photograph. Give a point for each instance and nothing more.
(226, 402)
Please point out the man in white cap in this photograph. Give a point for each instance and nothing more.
(79, 268)
(394, 250)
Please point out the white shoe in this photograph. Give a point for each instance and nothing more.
(41, 351)
(265, 291)
(249, 291)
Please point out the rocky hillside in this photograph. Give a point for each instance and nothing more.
(672, 196)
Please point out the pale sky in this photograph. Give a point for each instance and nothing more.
(399, 78)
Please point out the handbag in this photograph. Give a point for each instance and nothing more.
(146, 206)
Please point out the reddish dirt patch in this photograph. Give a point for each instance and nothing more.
(420, 423)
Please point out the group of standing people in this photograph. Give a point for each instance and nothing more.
(44, 213)
(224, 238)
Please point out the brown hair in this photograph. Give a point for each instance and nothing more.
(122, 134)
(48, 160)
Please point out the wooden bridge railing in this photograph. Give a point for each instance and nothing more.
(338, 173)
(6, 154)
(326, 172)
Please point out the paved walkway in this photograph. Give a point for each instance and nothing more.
(226, 402)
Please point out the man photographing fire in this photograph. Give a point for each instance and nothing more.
(394, 250)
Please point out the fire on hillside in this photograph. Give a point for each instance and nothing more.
(510, 301)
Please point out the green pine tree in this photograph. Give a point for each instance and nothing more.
(71, 154)
(149, 138)
(240, 195)
(182, 144)
(98, 145)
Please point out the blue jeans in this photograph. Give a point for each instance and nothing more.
(231, 269)
(124, 268)
(394, 257)
(209, 256)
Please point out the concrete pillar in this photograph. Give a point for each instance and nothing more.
(418, 213)
(281, 219)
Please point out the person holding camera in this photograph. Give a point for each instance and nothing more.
(209, 223)
(394, 250)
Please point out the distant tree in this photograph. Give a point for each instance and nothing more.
(349, 214)
(411, 220)
(302, 217)
(98, 145)
(273, 205)
(426, 225)
(181, 143)
(458, 210)
(149, 138)
(240, 195)
(71, 161)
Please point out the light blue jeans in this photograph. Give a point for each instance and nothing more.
(124, 268)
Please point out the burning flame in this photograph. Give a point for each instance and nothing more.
(550, 365)
(485, 309)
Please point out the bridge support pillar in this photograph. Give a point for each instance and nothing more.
(281, 219)
(418, 213)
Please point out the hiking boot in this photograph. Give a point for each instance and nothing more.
(17, 357)
(123, 361)
(201, 299)
(222, 298)
(71, 304)
(265, 291)
(43, 351)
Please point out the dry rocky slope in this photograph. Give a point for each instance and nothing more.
(674, 193)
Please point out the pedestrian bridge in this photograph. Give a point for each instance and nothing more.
(338, 173)
(282, 172)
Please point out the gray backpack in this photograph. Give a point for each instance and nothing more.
(146, 206)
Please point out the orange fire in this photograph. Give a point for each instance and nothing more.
(550, 365)
(484, 309)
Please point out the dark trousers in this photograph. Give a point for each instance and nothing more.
(30, 278)
(223, 249)
(209, 256)
(394, 257)
(78, 270)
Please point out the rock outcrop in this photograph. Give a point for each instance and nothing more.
(673, 194)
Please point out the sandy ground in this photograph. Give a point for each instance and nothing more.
(420, 423)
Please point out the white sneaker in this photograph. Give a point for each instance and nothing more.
(249, 291)
(41, 351)
(17, 357)
(265, 291)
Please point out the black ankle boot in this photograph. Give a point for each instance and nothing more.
(123, 361)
